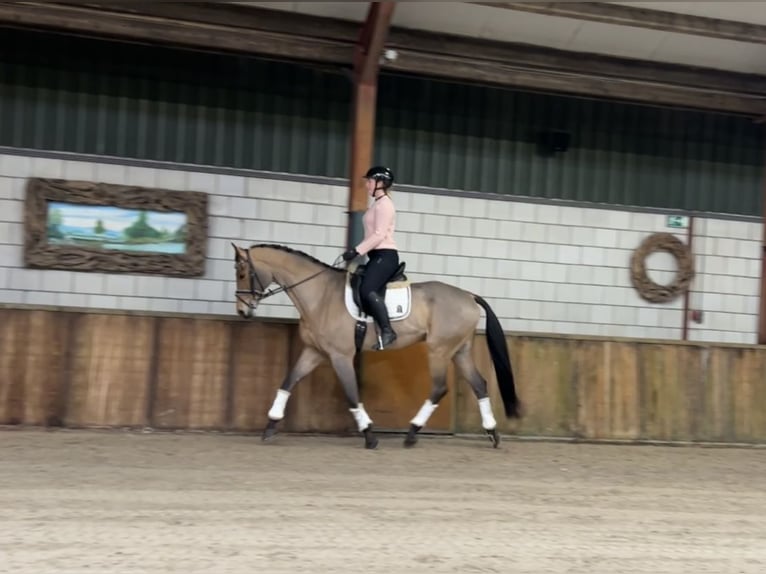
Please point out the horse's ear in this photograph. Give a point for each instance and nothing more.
(236, 251)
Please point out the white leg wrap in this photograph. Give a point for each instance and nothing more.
(277, 410)
(487, 418)
(424, 414)
(363, 420)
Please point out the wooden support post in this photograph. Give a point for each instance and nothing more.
(362, 135)
(366, 64)
(687, 294)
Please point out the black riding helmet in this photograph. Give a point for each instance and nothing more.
(382, 174)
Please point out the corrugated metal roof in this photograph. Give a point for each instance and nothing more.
(81, 95)
(142, 102)
(487, 139)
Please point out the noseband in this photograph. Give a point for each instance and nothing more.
(256, 293)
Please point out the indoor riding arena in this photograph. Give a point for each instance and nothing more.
(593, 172)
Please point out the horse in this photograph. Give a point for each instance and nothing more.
(333, 327)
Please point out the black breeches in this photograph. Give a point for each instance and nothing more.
(382, 264)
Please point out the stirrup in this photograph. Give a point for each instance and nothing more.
(380, 345)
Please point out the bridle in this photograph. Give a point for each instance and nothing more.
(260, 293)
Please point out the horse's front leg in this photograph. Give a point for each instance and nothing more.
(308, 360)
(344, 368)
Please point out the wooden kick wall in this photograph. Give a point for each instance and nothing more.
(629, 390)
(85, 369)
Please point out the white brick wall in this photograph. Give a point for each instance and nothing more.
(543, 267)
(728, 285)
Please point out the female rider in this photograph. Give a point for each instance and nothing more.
(379, 245)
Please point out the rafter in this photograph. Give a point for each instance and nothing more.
(372, 38)
(136, 25)
(611, 13)
(301, 37)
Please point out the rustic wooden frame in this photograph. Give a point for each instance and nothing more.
(38, 253)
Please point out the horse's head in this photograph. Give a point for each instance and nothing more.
(252, 281)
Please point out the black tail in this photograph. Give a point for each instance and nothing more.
(498, 350)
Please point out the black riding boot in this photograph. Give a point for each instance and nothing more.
(378, 310)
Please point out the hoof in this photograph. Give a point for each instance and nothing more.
(371, 444)
(370, 440)
(412, 436)
(494, 437)
(270, 431)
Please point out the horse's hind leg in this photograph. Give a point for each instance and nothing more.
(308, 360)
(344, 368)
(467, 367)
(438, 368)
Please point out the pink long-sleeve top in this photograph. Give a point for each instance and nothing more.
(379, 221)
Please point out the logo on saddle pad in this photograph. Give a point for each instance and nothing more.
(398, 300)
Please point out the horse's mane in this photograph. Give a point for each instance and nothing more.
(296, 252)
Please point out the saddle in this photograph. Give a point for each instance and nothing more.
(355, 280)
(395, 292)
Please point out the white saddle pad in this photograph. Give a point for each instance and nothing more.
(398, 302)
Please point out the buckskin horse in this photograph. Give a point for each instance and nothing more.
(333, 327)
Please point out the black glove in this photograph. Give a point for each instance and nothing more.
(350, 254)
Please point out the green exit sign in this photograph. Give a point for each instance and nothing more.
(678, 221)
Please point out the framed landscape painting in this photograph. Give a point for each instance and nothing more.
(85, 226)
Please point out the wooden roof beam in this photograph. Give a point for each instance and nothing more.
(281, 36)
(562, 61)
(609, 13)
(636, 91)
(324, 35)
(371, 41)
(165, 30)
